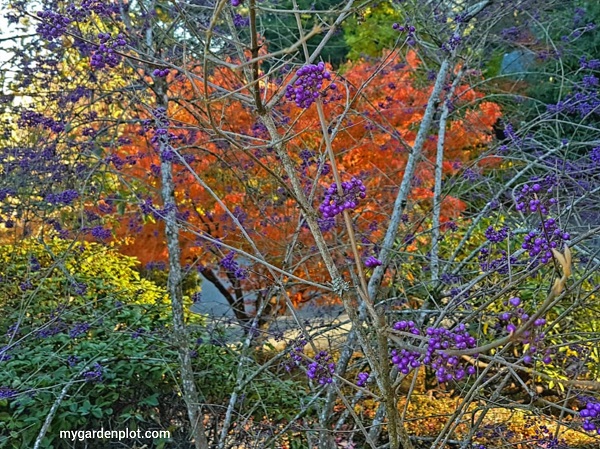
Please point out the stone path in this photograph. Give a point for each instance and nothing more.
(329, 324)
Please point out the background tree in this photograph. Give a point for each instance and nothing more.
(280, 27)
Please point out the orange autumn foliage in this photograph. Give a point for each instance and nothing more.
(372, 142)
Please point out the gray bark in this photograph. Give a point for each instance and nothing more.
(180, 335)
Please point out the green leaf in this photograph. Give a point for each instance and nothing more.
(150, 400)
(85, 408)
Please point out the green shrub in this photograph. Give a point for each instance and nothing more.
(80, 316)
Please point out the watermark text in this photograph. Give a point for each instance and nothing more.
(82, 435)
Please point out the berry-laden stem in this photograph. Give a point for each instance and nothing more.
(556, 291)
(347, 219)
(396, 431)
(338, 180)
(378, 361)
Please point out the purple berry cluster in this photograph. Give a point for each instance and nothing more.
(51, 330)
(533, 339)
(105, 54)
(53, 25)
(79, 329)
(528, 200)
(452, 43)
(591, 415)
(162, 138)
(584, 102)
(7, 393)
(308, 85)
(160, 118)
(406, 360)
(34, 264)
(592, 64)
(79, 288)
(295, 355)
(496, 236)
(402, 28)
(308, 158)
(236, 3)
(326, 224)
(407, 326)
(408, 29)
(471, 175)
(372, 262)
(362, 379)
(100, 233)
(95, 374)
(321, 369)
(86, 7)
(334, 203)
(31, 118)
(594, 155)
(232, 266)
(72, 360)
(517, 316)
(447, 367)
(66, 197)
(499, 265)
(160, 73)
(240, 21)
(162, 135)
(539, 242)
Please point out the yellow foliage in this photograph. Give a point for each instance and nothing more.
(103, 268)
(501, 427)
